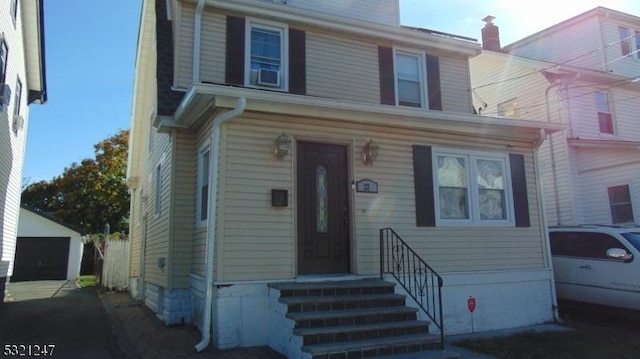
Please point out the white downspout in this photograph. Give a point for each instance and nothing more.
(197, 32)
(241, 104)
(545, 228)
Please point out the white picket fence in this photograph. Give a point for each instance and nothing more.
(115, 272)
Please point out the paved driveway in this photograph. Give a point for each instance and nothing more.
(55, 313)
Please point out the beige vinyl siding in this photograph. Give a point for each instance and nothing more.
(212, 47)
(454, 84)
(559, 190)
(341, 68)
(183, 47)
(383, 12)
(135, 233)
(182, 208)
(259, 241)
(158, 227)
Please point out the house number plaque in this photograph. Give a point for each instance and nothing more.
(367, 186)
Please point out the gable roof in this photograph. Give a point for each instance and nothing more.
(53, 219)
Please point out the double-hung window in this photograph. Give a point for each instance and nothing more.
(472, 188)
(605, 119)
(629, 45)
(266, 45)
(620, 204)
(4, 54)
(410, 69)
(204, 160)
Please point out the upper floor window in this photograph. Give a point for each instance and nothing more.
(204, 159)
(509, 108)
(620, 204)
(629, 45)
(471, 187)
(14, 10)
(18, 97)
(266, 60)
(4, 53)
(410, 79)
(605, 119)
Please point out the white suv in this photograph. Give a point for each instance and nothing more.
(597, 264)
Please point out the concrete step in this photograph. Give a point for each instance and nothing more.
(373, 348)
(352, 316)
(347, 287)
(341, 302)
(343, 333)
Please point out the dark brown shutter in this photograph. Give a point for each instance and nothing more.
(234, 70)
(423, 183)
(297, 62)
(433, 83)
(387, 78)
(519, 183)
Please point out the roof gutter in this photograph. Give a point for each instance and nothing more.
(241, 104)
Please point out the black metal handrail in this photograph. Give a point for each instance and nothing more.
(422, 283)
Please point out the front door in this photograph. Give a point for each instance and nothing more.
(323, 211)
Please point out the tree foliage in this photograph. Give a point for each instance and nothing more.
(91, 193)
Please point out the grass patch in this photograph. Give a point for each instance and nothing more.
(87, 281)
(586, 341)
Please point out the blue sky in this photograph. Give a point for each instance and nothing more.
(90, 53)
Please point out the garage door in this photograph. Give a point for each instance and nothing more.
(39, 258)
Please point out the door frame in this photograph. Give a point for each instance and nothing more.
(349, 144)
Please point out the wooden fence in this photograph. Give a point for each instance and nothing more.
(115, 272)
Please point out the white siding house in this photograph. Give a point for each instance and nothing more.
(22, 82)
(273, 141)
(589, 83)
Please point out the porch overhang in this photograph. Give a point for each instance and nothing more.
(207, 98)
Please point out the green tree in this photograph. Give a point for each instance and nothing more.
(91, 193)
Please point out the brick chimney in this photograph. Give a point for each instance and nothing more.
(490, 35)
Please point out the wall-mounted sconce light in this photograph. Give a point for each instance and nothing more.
(283, 145)
(18, 123)
(370, 152)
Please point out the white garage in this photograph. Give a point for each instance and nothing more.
(46, 248)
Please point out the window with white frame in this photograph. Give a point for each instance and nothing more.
(18, 98)
(509, 108)
(204, 159)
(4, 54)
(158, 196)
(266, 45)
(620, 204)
(409, 70)
(629, 45)
(14, 10)
(472, 188)
(605, 118)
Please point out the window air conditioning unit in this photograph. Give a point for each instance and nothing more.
(269, 78)
(5, 94)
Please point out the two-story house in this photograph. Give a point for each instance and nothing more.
(273, 142)
(583, 72)
(22, 82)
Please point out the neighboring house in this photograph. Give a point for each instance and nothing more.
(582, 72)
(46, 248)
(271, 141)
(22, 82)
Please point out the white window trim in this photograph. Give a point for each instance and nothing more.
(634, 49)
(201, 151)
(613, 118)
(473, 206)
(631, 201)
(284, 51)
(422, 75)
(158, 191)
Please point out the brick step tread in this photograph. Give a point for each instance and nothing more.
(366, 344)
(336, 298)
(348, 313)
(361, 327)
(356, 283)
(427, 354)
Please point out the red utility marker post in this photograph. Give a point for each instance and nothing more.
(471, 305)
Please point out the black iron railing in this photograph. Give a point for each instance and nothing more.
(422, 283)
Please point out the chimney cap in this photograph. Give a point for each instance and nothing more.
(489, 19)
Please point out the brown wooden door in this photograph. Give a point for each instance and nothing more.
(323, 212)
